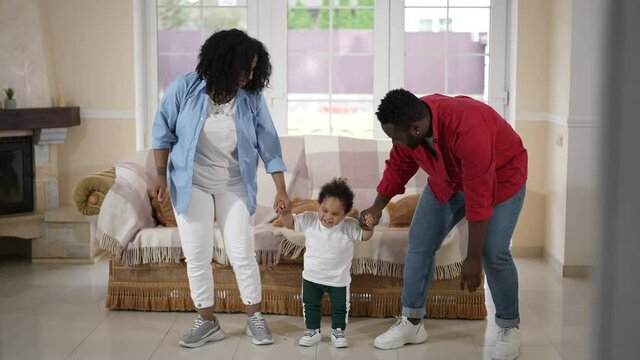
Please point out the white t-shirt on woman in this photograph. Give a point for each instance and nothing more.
(216, 167)
(328, 251)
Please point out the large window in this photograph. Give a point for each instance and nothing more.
(335, 59)
(330, 67)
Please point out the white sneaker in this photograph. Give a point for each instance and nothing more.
(401, 333)
(507, 344)
(310, 338)
(338, 339)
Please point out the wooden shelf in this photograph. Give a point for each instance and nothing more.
(39, 118)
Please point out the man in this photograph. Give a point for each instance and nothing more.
(477, 167)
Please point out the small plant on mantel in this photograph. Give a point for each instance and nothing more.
(9, 102)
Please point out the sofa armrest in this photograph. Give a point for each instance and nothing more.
(91, 190)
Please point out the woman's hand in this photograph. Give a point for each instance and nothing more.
(158, 188)
(281, 202)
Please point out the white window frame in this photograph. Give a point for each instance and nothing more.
(267, 21)
(498, 96)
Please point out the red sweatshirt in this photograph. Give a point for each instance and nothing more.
(478, 153)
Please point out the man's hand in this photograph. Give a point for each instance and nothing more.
(370, 218)
(471, 273)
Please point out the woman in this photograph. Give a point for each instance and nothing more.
(214, 123)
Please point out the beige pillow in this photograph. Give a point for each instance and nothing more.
(401, 211)
(298, 206)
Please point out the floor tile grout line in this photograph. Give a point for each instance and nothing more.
(236, 350)
(164, 337)
(552, 344)
(88, 335)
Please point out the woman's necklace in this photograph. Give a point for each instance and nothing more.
(222, 109)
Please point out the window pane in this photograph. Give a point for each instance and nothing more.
(179, 2)
(330, 84)
(351, 41)
(352, 119)
(425, 20)
(220, 18)
(353, 19)
(179, 18)
(224, 2)
(178, 29)
(468, 76)
(469, 2)
(308, 41)
(425, 3)
(178, 41)
(314, 3)
(469, 30)
(308, 74)
(170, 66)
(424, 43)
(309, 118)
(352, 74)
(424, 74)
(307, 19)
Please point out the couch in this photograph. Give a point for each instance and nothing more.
(147, 271)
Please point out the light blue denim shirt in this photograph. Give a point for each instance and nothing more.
(179, 120)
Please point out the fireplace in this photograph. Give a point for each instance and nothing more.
(16, 174)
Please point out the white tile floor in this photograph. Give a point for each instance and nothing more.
(57, 312)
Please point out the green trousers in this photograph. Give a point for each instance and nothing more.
(312, 299)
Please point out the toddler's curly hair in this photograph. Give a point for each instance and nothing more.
(339, 189)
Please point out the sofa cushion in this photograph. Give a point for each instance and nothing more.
(89, 193)
(401, 211)
(163, 210)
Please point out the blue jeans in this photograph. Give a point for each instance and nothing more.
(431, 223)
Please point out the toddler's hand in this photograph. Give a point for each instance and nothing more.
(283, 209)
(369, 220)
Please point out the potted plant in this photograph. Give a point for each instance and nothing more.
(10, 101)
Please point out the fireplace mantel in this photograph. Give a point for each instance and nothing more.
(49, 125)
(39, 118)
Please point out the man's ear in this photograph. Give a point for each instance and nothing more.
(415, 128)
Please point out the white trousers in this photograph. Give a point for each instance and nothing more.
(195, 225)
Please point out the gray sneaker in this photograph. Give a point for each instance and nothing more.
(202, 332)
(258, 330)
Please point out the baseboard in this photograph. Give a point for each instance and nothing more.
(527, 251)
(554, 262)
(576, 270)
(70, 261)
(567, 270)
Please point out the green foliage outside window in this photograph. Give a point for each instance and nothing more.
(310, 18)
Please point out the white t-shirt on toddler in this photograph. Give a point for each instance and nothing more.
(328, 251)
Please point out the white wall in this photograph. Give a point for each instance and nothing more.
(558, 100)
(585, 104)
(25, 60)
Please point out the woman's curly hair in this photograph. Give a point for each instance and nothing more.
(226, 57)
(400, 107)
(339, 189)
